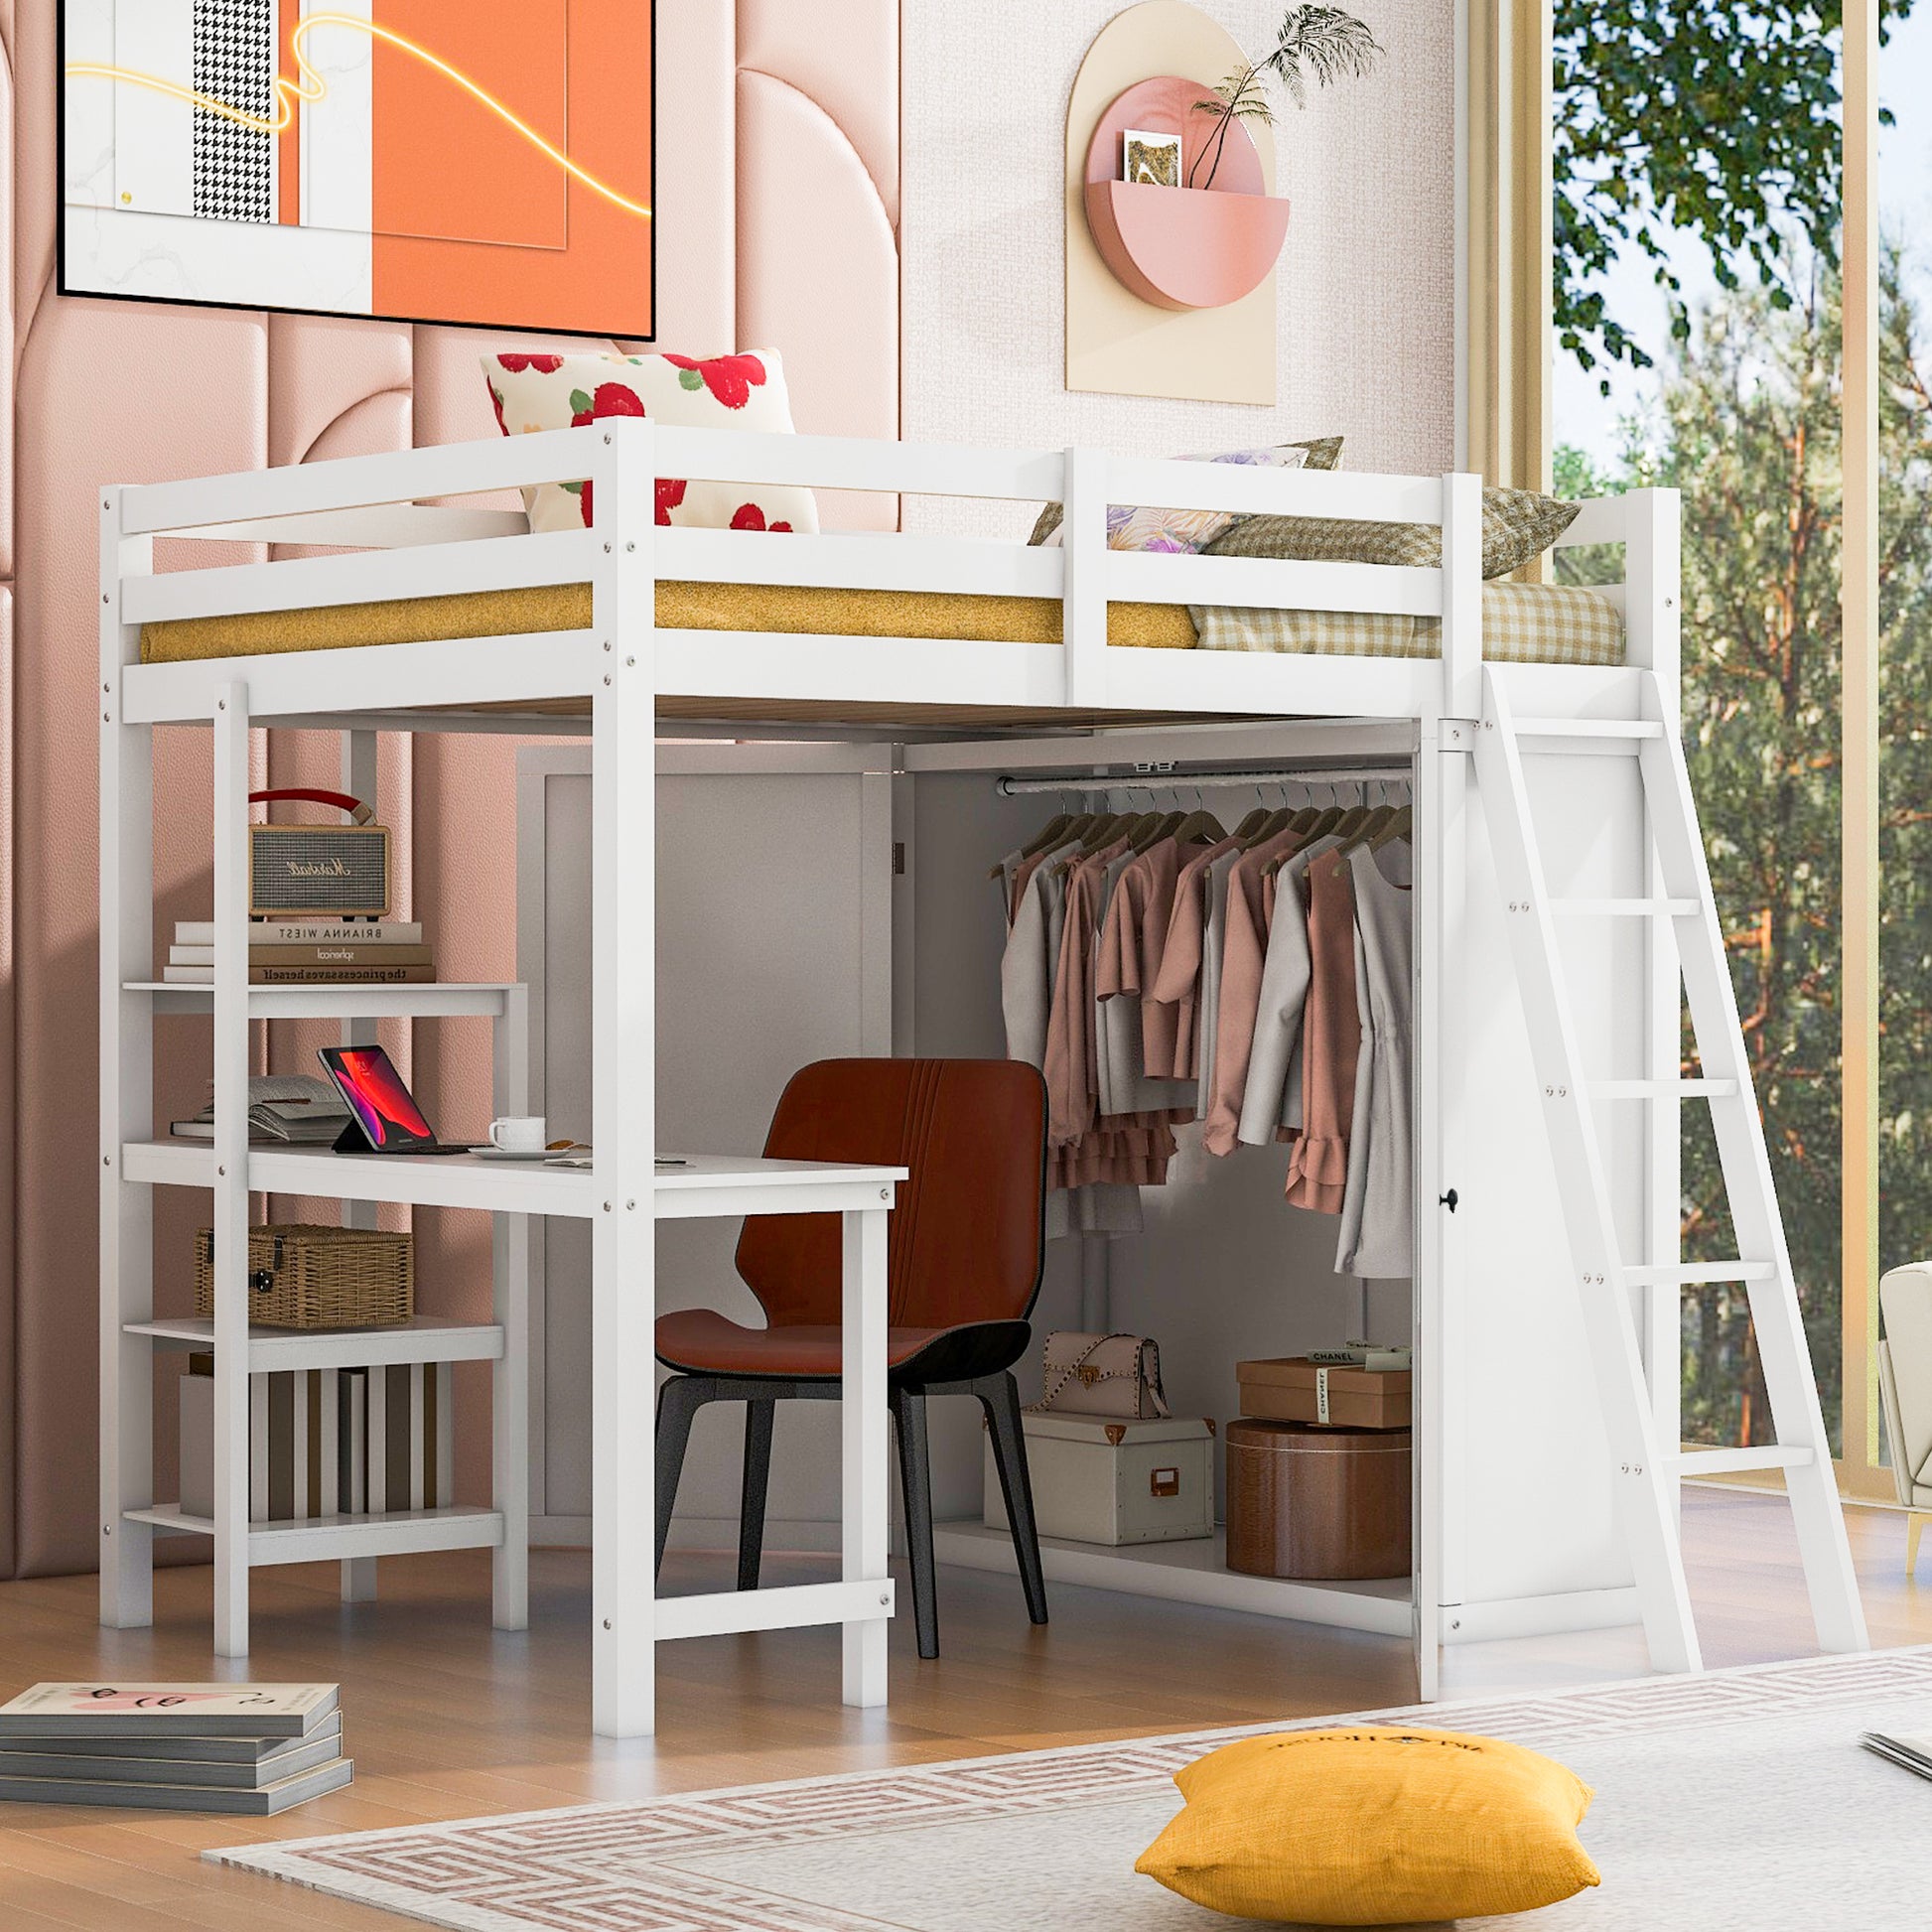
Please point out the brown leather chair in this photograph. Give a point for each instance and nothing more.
(965, 1251)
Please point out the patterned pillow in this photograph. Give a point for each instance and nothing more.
(747, 392)
(1131, 528)
(1517, 524)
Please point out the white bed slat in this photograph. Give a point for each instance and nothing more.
(858, 462)
(1273, 684)
(1604, 519)
(387, 526)
(729, 664)
(299, 582)
(376, 677)
(861, 561)
(1358, 497)
(1151, 577)
(347, 483)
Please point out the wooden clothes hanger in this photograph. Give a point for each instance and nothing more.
(1049, 834)
(1367, 830)
(1400, 827)
(1057, 831)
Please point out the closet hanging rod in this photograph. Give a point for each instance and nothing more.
(1164, 780)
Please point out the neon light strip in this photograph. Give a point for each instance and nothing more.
(311, 86)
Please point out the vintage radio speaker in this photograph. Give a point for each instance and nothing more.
(337, 871)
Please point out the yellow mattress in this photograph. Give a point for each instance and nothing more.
(680, 607)
(1535, 623)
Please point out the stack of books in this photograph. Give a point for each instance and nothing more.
(252, 1748)
(309, 952)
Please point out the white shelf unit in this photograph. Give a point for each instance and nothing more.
(428, 1338)
(240, 1351)
(614, 682)
(345, 1539)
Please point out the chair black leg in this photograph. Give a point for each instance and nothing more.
(758, 1418)
(999, 1396)
(677, 1401)
(916, 1482)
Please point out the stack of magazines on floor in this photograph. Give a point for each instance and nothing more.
(252, 1748)
(309, 952)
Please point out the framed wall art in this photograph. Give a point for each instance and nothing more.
(486, 164)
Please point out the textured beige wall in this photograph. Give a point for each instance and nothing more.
(1365, 284)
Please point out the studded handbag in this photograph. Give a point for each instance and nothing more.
(1102, 1375)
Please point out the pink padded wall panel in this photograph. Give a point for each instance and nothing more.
(843, 55)
(114, 392)
(208, 412)
(6, 308)
(323, 371)
(818, 274)
(9, 1136)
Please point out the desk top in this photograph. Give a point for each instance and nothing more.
(698, 1171)
(706, 1186)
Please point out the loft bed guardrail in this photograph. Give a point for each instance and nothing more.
(392, 546)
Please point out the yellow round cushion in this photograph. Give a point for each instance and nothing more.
(1372, 1825)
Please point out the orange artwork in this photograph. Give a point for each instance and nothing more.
(489, 164)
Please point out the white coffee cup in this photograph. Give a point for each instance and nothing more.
(518, 1134)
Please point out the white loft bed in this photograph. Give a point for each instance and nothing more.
(925, 706)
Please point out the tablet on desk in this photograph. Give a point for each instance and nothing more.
(383, 1117)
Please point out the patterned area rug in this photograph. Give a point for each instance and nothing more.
(1734, 1802)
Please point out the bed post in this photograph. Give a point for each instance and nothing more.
(1653, 627)
(126, 1099)
(360, 753)
(622, 1051)
(1083, 539)
(232, 1459)
(1461, 596)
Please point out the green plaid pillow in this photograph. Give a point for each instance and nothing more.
(1517, 524)
(1323, 453)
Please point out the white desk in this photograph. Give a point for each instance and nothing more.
(629, 1619)
(718, 1186)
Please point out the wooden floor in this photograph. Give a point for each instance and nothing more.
(446, 1719)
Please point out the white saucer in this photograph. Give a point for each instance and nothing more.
(486, 1153)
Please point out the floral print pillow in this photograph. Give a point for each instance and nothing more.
(1185, 531)
(540, 391)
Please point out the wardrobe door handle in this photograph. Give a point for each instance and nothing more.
(1449, 1200)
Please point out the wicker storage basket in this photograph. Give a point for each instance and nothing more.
(305, 1276)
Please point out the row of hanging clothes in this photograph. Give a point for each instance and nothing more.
(1163, 972)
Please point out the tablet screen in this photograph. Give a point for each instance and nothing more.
(373, 1089)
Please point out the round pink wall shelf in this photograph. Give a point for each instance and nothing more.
(1182, 247)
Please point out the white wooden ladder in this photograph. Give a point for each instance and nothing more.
(1646, 1471)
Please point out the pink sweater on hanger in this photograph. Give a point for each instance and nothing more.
(1176, 986)
(1244, 951)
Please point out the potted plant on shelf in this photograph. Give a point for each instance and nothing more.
(1331, 45)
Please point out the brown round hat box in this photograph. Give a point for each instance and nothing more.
(1326, 1503)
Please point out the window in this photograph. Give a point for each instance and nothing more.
(1697, 169)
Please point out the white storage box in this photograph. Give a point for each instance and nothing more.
(1097, 1480)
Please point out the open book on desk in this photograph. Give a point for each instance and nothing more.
(284, 1109)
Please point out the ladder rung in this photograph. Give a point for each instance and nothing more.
(1662, 1089)
(1737, 1461)
(1589, 728)
(1626, 908)
(1698, 1273)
